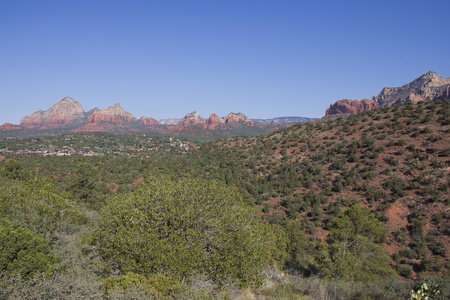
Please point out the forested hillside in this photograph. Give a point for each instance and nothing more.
(394, 161)
(350, 208)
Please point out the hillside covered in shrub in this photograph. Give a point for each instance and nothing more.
(348, 208)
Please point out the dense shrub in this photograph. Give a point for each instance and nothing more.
(354, 253)
(37, 205)
(22, 251)
(183, 228)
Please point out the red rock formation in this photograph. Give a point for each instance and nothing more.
(193, 123)
(187, 122)
(429, 86)
(9, 126)
(113, 114)
(239, 117)
(111, 119)
(69, 115)
(90, 128)
(350, 107)
(213, 121)
(34, 120)
(148, 121)
(65, 112)
(192, 119)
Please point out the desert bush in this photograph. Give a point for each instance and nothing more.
(353, 253)
(183, 228)
(37, 205)
(23, 252)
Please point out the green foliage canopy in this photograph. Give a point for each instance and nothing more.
(22, 251)
(183, 228)
(86, 186)
(14, 170)
(36, 204)
(353, 253)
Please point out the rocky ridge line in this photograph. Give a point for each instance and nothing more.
(428, 87)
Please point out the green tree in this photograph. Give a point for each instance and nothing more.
(183, 228)
(85, 185)
(35, 204)
(353, 252)
(14, 170)
(22, 251)
(301, 252)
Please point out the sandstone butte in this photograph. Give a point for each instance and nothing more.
(69, 114)
(239, 117)
(192, 119)
(65, 112)
(9, 126)
(148, 121)
(213, 121)
(429, 86)
(114, 114)
(346, 106)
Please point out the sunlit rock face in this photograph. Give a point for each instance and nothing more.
(346, 106)
(65, 112)
(239, 117)
(429, 86)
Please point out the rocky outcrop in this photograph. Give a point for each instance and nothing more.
(346, 106)
(90, 113)
(192, 119)
(67, 115)
(66, 112)
(170, 121)
(238, 118)
(111, 119)
(90, 127)
(429, 86)
(214, 121)
(148, 121)
(34, 120)
(9, 126)
(113, 114)
(281, 120)
(193, 123)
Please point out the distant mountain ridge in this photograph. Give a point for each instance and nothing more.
(429, 86)
(68, 115)
(285, 120)
(66, 112)
(277, 120)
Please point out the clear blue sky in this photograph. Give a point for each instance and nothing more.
(164, 59)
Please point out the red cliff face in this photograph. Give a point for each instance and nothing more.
(148, 121)
(193, 123)
(113, 114)
(190, 122)
(90, 128)
(102, 117)
(34, 120)
(111, 119)
(239, 117)
(429, 86)
(65, 112)
(68, 115)
(192, 119)
(350, 107)
(213, 121)
(9, 126)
